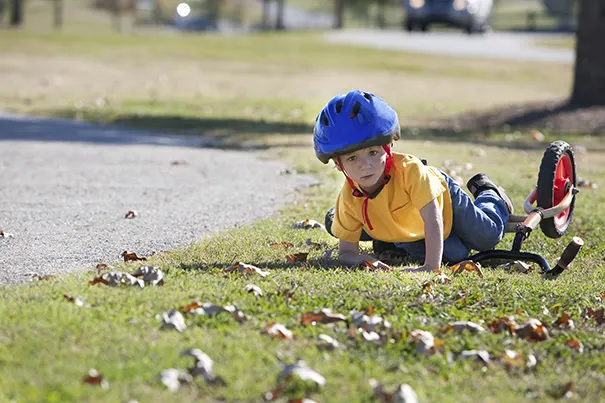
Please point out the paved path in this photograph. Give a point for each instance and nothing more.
(496, 45)
(65, 187)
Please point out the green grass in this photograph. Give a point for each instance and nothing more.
(263, 91)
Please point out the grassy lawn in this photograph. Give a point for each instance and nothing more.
(267, 89)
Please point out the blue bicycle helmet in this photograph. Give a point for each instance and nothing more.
(353, 121)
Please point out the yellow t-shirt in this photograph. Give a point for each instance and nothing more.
(395, 212)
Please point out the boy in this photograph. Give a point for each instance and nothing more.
(395, 198)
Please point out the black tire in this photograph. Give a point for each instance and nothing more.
(424, 27)
(555, 227)
(409, 25)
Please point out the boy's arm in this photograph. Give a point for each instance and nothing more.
(348, 254)
(433, 235)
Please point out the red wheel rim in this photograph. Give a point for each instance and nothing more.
(563, 176)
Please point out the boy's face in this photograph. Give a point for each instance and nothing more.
(365, 166)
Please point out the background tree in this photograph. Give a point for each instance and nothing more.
(279, 19)
(589, 75)
(339, 14)
(266, 5)
(16, 16)
(57, 13)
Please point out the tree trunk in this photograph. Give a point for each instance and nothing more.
(16, 17)
(58, 13)
(279, 21)
(380, 20)
(589, 76)
(266, 5)
(339, 14)
(116, 10)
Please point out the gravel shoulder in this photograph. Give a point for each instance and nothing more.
(66, 187)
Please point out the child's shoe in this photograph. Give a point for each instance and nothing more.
(481, 182)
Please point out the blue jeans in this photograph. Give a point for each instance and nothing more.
(477, 225)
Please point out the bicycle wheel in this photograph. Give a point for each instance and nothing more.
(557, 175)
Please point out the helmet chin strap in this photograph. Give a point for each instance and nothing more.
(367, 196)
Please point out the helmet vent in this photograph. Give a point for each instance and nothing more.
(355, 110)
(366, 96)
(324, 120)
(338, 106)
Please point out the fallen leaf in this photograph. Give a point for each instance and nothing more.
(5, 235)
(537, 135)
(424, 341)
(598, 315)
(478, 355)
(150, 274)
(131, 214)
(366, 322)
(467, 265)
(203, 366)
(505, 323)
(370, 336)
(563, 392)
(370, 266)
(575, 344)
(301, 375)
(586, 184)
(532, 330)
(517, 360)
(308, 224)
(95, 378)
(245, 269)
(174, 378)
(325, 342)
(39, 277)
(77, 301)
(116, 278)
(403, 394)
(131, 257)
(275, 329)
(426, 287)
(441, 277)
(209, 309)
(103, 266)
(173, 319)
(281, 244)
(517, 266)
(462, 325)
(324, 316)
(564, 321)
(254, 289)
(297, 257)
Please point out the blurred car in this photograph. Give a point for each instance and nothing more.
(470, 15)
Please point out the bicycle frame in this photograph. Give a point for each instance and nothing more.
(522, 226)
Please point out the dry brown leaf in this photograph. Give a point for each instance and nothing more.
(116, 278)
(575, 344)
(95, 378)
(203, 366)
(424, 341)
(517, 360)
(77, 300)
(537, 135)
(131, 214)
(503, 324)
(603, 296)
(278, 330)
(281, 244)
(324, 316)
(598, 315)
(174, 320)
(564, 321)
(325, 342)
(299, 373)
(426, 287)
(209, 309)
(533, 330)
(586, 184)
(403, 394)
(5, 235)
(39, 277)
(370, 266)
(368, 323)
(563, 392)
(467, 265)
(150, 275)
(441, 278)
(245, 269)
(173, 378)
(103, 266)
(297, 257)
(481, 356)
(462, 325)
(254, 289)
(131, 257)
(308, 224)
